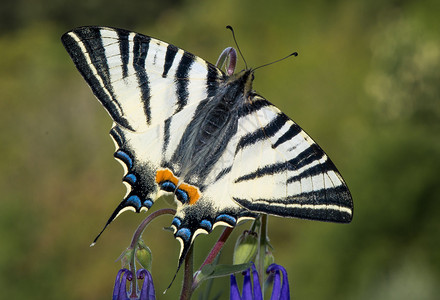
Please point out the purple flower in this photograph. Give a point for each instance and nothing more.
(120, 290)
(279, 291)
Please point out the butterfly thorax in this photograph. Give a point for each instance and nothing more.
(214, 123)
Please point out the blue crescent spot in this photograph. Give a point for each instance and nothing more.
(148, 203)
(226, 218)
(182, 196)
(134, 201)
(124, 157)
(168, 186)
(130, 178)
(184, 233)
(205, 224)
(176, 222)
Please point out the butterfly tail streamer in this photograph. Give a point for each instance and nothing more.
(113, 216)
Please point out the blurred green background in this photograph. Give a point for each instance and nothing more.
(365, 86)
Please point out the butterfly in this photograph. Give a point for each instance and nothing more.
(185, 128)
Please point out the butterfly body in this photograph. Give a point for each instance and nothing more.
(183, 127)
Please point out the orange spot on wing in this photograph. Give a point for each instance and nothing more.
(166, 174)
(192, 191)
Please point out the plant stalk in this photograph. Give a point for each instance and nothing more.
(134, 241)
(262, 247)
(213, 253)
(188, 275)
(217, 247)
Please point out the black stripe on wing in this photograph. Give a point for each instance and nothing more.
(212, 80)
(124, 50)
(328, 196)
(256, 104)
(320, 168)
(223, 173)
(182, 80)
(169, 59)
(331, 205)
(289, 134)
(140, 50)
(312, 153)
(265, 132)
(166, 136)
(100, 83)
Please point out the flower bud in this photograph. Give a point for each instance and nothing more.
(269, 259)
(144, 256)
(245, 248)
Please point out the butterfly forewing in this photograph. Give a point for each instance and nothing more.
(141, 81)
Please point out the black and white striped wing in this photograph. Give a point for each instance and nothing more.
(278, 169)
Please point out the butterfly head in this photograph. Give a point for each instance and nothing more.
(242, 81)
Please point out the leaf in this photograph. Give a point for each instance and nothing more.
(209, 283)
(246, 247)
(211, 271)
(125, 257)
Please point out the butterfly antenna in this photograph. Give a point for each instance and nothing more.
(278, 60)
(235, 41)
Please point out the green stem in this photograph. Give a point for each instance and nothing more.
(213, 253)
(262, 247)
(188, 275)
(134, 241)
(218, 246)
(137, 234)
(133, 280)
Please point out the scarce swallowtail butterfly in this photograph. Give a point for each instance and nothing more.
(184, 127)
